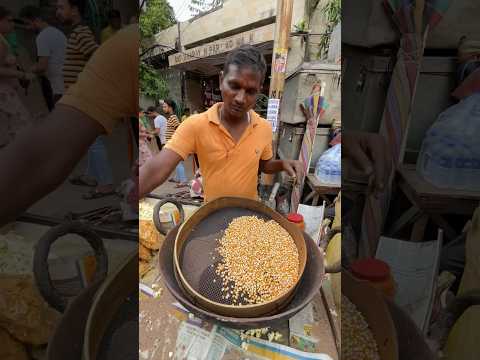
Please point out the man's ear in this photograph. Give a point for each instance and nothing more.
(221, 76)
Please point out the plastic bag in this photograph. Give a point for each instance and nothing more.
(450, 153)
(329, 169)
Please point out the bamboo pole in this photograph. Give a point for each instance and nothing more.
(283, 24)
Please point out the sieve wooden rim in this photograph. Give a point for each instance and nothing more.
(243, 310)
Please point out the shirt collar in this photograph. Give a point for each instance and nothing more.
(213, 117)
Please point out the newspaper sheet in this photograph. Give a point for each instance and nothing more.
(198, 342)
(313, 218)
(414, 267)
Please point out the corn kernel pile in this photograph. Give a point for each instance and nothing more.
(259, 261)
(145, 210)
(358, 342)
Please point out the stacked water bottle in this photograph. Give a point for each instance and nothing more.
(450, 154)
(329, 169)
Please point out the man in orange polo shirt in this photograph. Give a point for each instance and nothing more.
(231, 141)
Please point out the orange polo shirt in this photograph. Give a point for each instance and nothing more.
(107, 89)
(228, 168)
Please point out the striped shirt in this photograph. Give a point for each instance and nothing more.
(80, 46)
(172, 125)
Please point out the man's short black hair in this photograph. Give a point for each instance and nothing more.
(31, 12)
(81, 5)
(114, 14)
(246, 56)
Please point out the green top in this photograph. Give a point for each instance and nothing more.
(145, 122)
(12, 43)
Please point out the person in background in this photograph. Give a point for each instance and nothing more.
(13, 114)
(186, 114)
(169, 109)
(81, 42)
(114, 24)
(144, 136)
(51, 46)
(81, 45)
(160, 123)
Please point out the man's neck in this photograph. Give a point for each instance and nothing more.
(232, 120)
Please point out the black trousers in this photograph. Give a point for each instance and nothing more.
(50, 98)
(159, 143)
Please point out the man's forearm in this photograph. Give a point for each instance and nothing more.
(271, 166)
(41, 157)
(156, 171)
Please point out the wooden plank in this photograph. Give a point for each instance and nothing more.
(423, 188)
(334, 320)
(331, 189)
(252, 37)
(438, 203)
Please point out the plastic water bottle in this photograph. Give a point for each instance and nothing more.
(328, 168)
(450, 153)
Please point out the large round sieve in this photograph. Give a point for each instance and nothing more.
(196, 257)
(307, 288)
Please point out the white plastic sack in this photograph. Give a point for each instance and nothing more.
(329, 169)
(450, 153)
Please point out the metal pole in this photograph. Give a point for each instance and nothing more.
(182, 73)
(283, 24)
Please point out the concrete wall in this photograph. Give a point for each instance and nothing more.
(193, 95)
(318, 25)
(233, 15)
(145, 102)
(297, 46)
(174, 84)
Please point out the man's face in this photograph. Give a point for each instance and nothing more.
(239, 87)
(64, 11)
(7, 25)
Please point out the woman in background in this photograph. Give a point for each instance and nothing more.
(145, 153)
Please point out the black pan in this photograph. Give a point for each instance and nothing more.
(308, 287)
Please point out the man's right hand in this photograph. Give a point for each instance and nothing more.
(368, 153)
